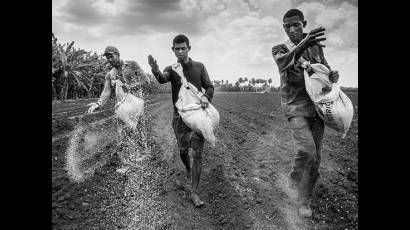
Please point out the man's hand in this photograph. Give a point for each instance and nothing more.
(153, 63)
(334, 76)
(204, 102)
(314, 37)
(93, 106)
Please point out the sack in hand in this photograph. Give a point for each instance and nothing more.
(201, 120)
(332, 104)
(129, 109)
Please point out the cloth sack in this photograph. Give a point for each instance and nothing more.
(129, 107)
(333, 106)
(201, 120)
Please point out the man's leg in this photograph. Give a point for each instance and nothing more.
(181, 132)
(197, 143)
(183, 154)
(304, 160)
(305, 146)
(122, 147)
(317, 128)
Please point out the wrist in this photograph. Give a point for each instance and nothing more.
(155, 72)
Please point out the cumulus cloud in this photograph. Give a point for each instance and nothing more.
(340, 21)
(123, 17)
(231, 37)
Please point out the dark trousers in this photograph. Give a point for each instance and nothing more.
(186, 138)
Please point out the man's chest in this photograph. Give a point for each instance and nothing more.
(193, 75)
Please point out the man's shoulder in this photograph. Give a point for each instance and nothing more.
(279, 48)
(131, 64)
(168, 68)
(197, 63)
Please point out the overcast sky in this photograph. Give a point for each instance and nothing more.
(233, 38)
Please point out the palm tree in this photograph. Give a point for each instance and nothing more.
(74, 66)
(253, 82)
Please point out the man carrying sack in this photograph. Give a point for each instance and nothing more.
(194, 73)
(126, 78)
(306, 125)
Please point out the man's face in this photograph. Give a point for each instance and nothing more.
(181, 51)
(294, 28)
(113, 58)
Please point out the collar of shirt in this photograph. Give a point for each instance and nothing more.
(188, 64)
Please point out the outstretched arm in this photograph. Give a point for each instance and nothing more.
(161, 77)
(285, 58)
(104, 95)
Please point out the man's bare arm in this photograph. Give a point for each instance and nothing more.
(105, 94)
(286, 58)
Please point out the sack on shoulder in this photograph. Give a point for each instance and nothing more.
(202, 120)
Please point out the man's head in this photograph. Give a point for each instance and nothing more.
(181, 47)
(293, 23)
(113, 55)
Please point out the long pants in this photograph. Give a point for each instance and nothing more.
(186, 138)
(308, 136)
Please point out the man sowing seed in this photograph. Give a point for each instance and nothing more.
(306, 126)
(197, 75)
(130, 76)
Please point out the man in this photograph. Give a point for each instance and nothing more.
(196, 74)
(117, 75)
(298, 108)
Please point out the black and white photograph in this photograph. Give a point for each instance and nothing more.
(217, 114)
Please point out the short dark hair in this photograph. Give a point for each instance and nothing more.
(294, 12)
(180, 39)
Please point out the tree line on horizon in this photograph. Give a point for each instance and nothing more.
(77, 73)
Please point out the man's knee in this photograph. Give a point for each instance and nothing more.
(197, 154)
(183, 152)
(306, 150)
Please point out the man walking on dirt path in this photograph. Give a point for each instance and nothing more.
(306, 126)
(117, 76)
(196, 74)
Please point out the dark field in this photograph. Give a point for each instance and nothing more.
(242, 182)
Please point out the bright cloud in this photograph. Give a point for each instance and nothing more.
(233, 38)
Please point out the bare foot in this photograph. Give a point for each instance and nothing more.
(305, 211)
(178, 183)
(123, 169)
(195, 199)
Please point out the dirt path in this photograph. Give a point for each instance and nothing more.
(244, 177)
(243, 180)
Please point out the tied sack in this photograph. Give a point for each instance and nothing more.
(201, 120)
(129, 107)
(332, 104)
